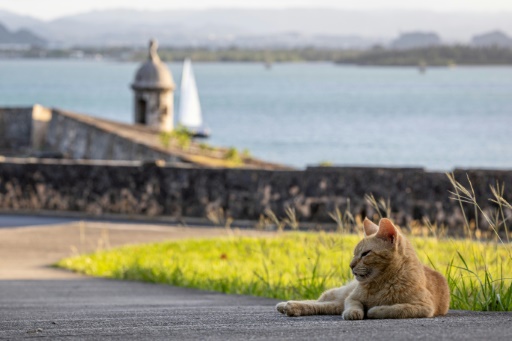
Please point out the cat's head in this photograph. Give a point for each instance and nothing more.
(381, 246)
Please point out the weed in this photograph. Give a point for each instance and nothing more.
(180, 136)
(480, 282)
(218, 216)
(204, 147)
(291, 218)
(345, 221)
(272, 218)
(381, 206)
(233, 155)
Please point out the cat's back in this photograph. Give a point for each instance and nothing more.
(438, 287)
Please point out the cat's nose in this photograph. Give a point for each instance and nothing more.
(353, 264)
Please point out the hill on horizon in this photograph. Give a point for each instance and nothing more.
(494, 38)
(20, 37)
(227, 27)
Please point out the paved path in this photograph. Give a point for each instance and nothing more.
(7, 221)
(107, 309)
(26, 252)
(37, 301)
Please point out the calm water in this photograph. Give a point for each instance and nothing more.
(302, 114)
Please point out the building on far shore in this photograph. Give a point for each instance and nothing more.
(153, 93)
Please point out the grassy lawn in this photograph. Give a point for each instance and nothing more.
(300, 266)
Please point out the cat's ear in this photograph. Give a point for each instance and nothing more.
(369, 227)
(387, 231)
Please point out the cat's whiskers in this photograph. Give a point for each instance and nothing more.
(362, 273)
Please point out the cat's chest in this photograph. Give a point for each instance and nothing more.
(387, 296)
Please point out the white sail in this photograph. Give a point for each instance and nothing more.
(190, 108)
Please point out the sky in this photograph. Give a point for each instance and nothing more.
(51, 9)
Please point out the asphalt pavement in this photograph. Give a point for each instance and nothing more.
(119, 310)
(11, 220)
(37, 301)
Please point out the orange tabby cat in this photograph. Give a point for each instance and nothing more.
(390, 282)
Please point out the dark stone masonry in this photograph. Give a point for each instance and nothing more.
(92, 178)
(186, 191)
(15, 128)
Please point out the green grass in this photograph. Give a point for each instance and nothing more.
(300, 266)
(180, 136)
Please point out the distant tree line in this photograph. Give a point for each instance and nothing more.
(431, 56)
(253, 55)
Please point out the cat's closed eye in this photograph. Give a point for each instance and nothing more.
(365, 253)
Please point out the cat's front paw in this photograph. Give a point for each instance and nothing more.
(293, 309)
(378, 312)
(353, 314)
(290, 308)
(281, 307)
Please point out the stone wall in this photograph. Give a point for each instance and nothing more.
(15, 128)
(81, 137)
(185, 191)
(42, 132)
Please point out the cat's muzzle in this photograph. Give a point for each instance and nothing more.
(362, 274)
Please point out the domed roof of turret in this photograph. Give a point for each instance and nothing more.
(153, 74)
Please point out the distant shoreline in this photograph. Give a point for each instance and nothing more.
(227, 62)
(448, 56)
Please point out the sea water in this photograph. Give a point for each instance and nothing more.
(306, 113)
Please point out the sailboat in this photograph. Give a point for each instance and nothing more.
(190, 115)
